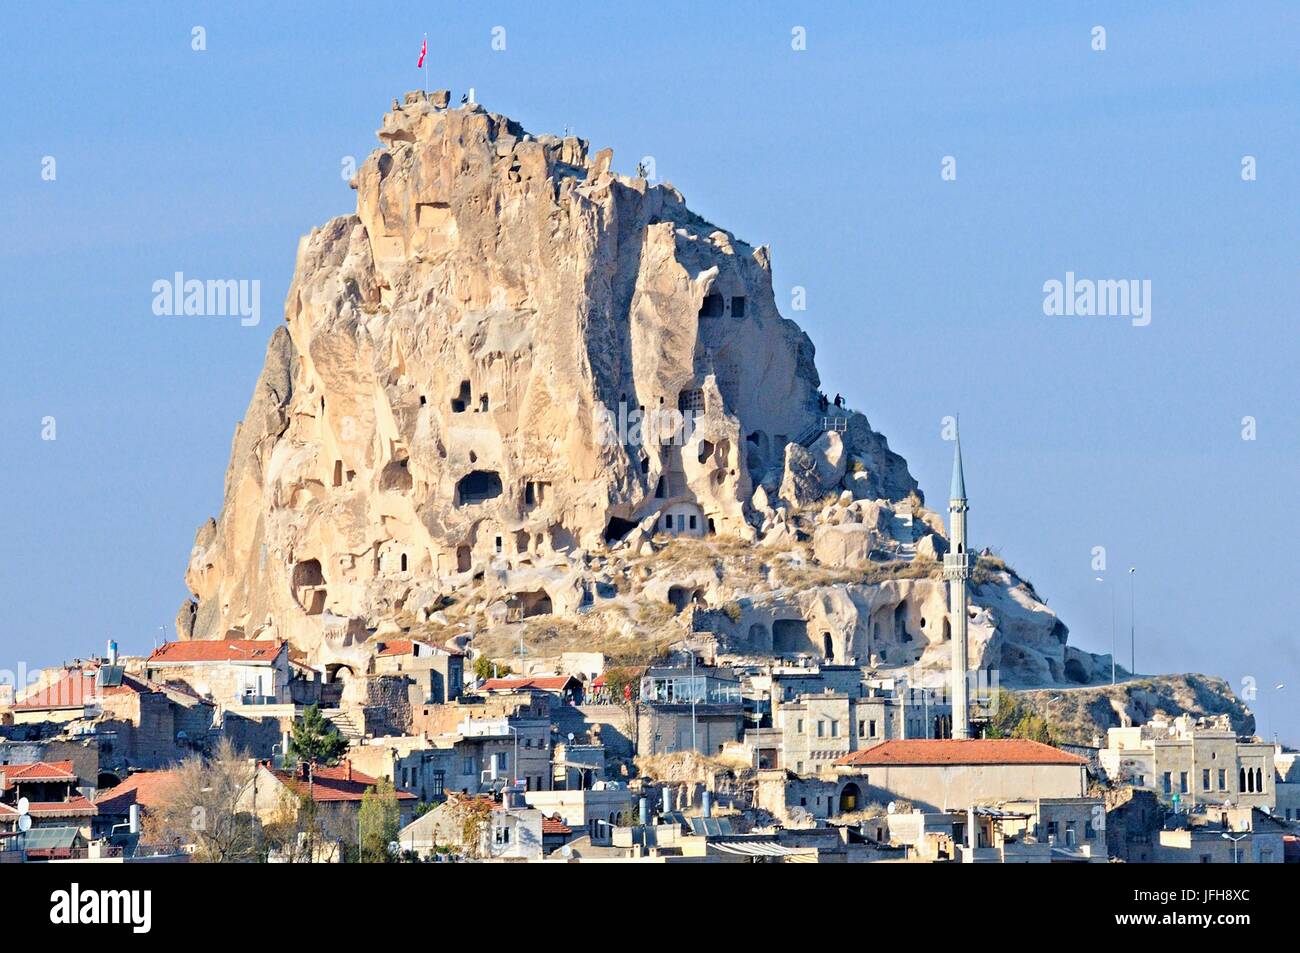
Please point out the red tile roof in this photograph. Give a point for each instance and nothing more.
(73, 689)
(38, 771)
(970, 751)
(231, 650)
(149, 789)
(75, 807)
(397, 647)
(337, 783)
(553, 825)
(546, 683)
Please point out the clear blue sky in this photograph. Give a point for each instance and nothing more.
(924, 296)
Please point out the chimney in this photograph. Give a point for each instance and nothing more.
(349, 769)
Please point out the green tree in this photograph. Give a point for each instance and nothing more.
(314, 739)
(379, 823)
(485, 668)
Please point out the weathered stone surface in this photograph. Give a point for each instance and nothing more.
(449, 433)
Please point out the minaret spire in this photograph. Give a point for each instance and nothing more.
(956, 569)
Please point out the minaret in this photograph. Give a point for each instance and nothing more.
(956, 569)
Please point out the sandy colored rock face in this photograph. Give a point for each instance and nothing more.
(457, 396)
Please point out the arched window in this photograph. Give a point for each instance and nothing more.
(1241, 779)
(403, 562)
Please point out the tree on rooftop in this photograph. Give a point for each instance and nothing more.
(485, 668)
(315, 739)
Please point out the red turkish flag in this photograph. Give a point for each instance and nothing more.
(424, 48)
(627, 692)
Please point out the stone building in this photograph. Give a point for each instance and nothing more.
(937, 775)
(232, 673)
(1191, 763)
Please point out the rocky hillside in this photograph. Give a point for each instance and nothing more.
(1082, 715)
(518, 390)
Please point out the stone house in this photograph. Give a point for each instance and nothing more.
(1190, 763)
(336, 790)
(508, 830)
(232, 673)
(939, 775)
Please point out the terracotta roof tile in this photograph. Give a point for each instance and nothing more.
(46, 771)
(149, 789)
(546, 683)
(335, 783)
(231, 650)
(553, 825)
(970, 751)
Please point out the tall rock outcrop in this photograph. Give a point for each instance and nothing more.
(507, 358)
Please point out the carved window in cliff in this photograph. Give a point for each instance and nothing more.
(737, 306)
(403, 562)
(535, 492)
(462, 398)
(478, 486)
(900, 623)
(338, 472)
(462, 558)
(483, 403)
(309, 586)
(712, 306)
(706, 450)
(691, 401)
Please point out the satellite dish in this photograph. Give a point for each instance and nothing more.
(25, 823)
(571, 737)
(891, 807)
(567, 851)
(23, 805)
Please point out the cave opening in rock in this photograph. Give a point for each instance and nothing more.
(712, 307)
(617, 528)
(461, 400)
(309, 586)
(462, 558)
(789, 636)
(478, 486)
(737, 306)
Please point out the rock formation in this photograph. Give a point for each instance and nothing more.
(516, 385)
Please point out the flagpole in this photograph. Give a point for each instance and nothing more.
(426, 66)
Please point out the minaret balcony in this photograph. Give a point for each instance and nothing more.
(956, 565)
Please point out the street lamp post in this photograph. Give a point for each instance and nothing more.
(1235, 841)
(1132, 621)
(1112, 631)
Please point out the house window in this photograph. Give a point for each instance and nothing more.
(1168, 783)
(862, 729)
(798, 726)
(821, 728)
(1182, 781)
(438, 785)
(1205, 779)
(1223, 779)
(468, 766)
(835, 729)
(501, 835)
(873, 727)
